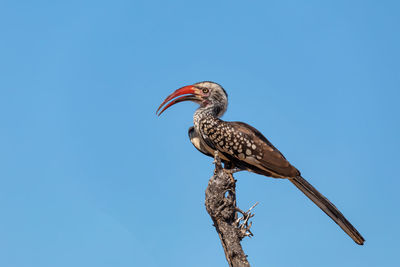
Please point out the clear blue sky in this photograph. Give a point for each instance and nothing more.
(89, 176)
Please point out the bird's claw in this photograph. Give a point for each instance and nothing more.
(232, 171)
(217, 160)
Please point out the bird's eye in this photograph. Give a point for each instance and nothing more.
(205, 90)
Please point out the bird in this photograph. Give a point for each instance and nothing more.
(242, 147)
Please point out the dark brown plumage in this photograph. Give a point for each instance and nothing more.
(242, 146)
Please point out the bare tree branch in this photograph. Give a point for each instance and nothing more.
(221, 206)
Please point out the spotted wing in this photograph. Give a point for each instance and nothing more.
(201, 146)
(246, 147)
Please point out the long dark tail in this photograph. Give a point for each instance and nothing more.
(328, 208)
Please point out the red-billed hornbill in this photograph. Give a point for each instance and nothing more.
(243, 147)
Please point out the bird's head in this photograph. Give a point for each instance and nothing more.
(206, 94)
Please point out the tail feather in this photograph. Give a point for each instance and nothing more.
(326, 206)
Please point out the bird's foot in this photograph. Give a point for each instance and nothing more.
(217, 160)
(243, 224)
(232, 171)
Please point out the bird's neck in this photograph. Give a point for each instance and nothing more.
(209, 111)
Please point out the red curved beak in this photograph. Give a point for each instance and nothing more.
(187, 93)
